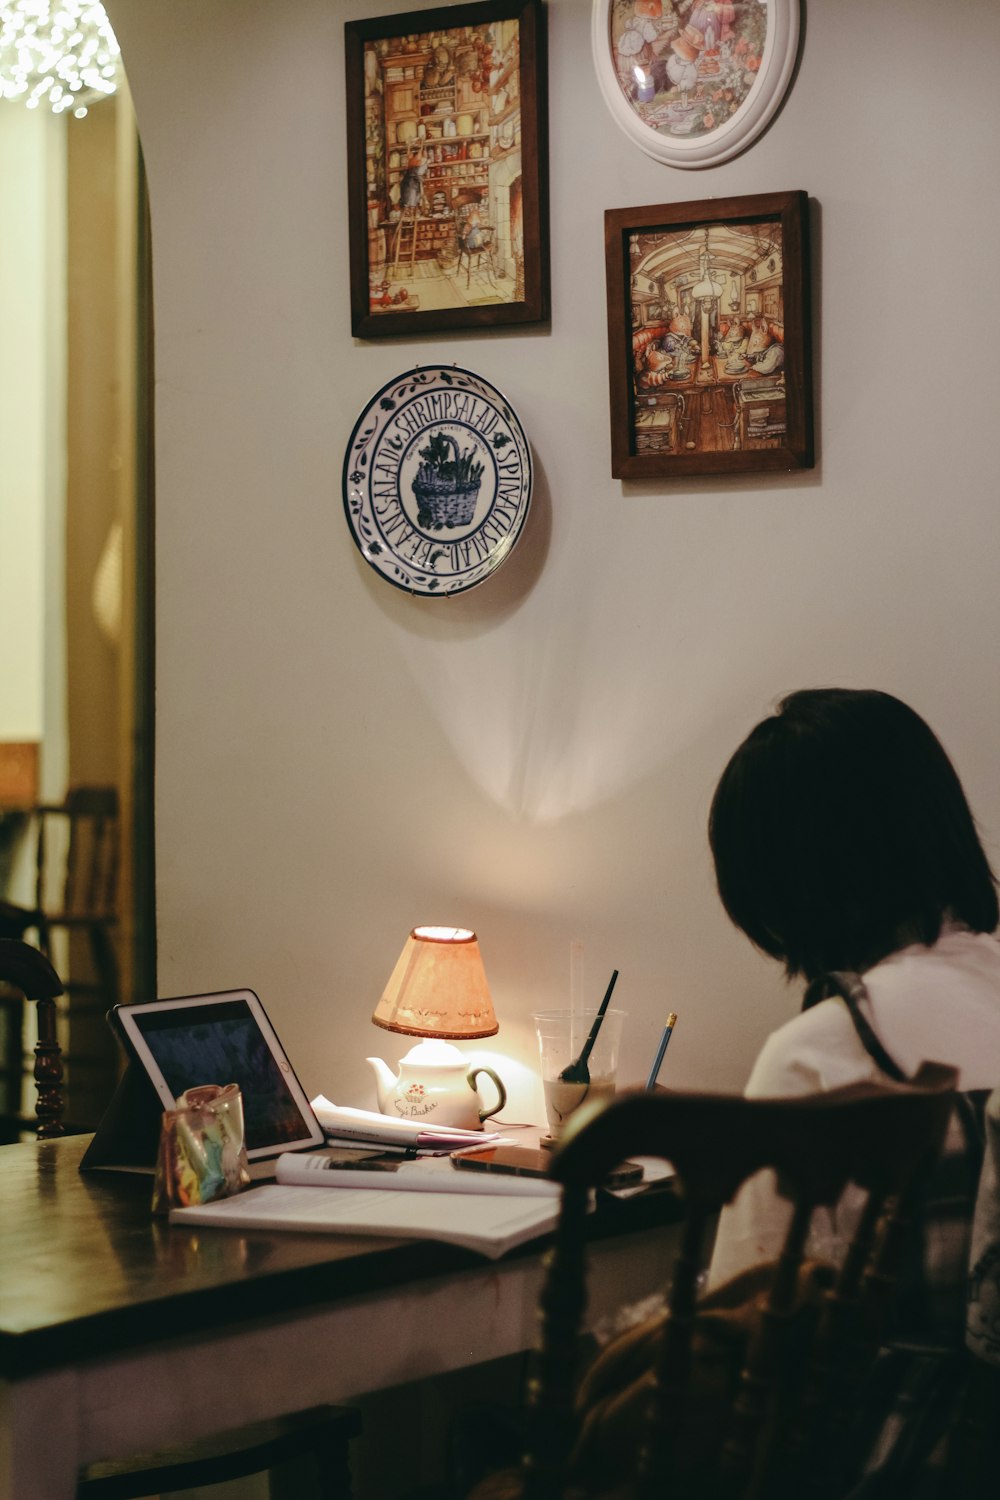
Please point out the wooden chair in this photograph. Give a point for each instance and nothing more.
(73, 919)
(778, 1431)
(975, 1439)
(28, 973)
(76, 881)
(477, 250)
(11, 1061)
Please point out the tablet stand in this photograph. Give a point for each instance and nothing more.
(128, 1136)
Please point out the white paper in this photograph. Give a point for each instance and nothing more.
(367, 1125)
(486, 1223)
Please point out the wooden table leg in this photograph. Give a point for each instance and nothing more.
(39, 1424)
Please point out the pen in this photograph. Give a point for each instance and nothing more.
(664, 1039)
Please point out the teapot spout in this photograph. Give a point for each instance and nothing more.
(385, 1080)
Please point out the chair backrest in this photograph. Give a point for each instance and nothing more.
(789, 1399)
(975, 1442)
(28, 970)
(77, 854)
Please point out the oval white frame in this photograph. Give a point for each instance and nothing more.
(737, 133)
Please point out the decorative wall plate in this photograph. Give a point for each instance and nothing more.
(437, 480)
(696, 89)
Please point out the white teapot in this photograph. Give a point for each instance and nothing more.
(436, 1084)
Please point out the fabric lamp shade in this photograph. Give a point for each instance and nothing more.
(438, 987)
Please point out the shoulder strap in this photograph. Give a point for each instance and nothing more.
(851, 989)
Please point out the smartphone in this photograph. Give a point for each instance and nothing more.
(522, 1161)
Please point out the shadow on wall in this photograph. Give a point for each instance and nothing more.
(561, 712)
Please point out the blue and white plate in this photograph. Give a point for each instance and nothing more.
(437, 480)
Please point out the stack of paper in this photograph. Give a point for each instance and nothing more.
(344, 1126)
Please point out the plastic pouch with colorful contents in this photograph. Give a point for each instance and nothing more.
(202, 1154)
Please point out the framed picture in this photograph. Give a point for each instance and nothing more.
(708, 336)
(693, 82)
(447, 186)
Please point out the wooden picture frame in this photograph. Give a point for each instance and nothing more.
(447, 169)
(709, 348)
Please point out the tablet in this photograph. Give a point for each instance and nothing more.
(223, 1038)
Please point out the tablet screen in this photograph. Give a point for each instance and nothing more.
(224, 1039)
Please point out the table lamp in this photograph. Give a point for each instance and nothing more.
(437, 990)
(438, 987)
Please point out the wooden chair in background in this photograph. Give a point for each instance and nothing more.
(27, 975)
(76, 882)
(73, 919)
(11, 1061)
(779, 1430)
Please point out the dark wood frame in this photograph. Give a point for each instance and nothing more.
(534, 308)
(797, 451)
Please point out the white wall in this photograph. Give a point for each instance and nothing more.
(336, 761)
(32, 428)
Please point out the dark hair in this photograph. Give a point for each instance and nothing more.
(840, 833)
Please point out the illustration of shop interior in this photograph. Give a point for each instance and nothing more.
(443, 160)
(708, 338)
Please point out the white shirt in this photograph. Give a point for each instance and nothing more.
(938, 1004)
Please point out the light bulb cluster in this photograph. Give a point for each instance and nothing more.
(62, 53)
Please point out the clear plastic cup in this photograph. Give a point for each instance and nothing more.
(562, 1035)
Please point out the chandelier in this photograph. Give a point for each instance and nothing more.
(62, 53)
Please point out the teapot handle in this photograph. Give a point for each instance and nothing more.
(484, 1114)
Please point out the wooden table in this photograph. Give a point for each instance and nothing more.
(118, 1332)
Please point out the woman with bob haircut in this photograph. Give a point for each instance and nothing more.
(845, 848)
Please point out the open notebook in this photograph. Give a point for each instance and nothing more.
(489, 1221)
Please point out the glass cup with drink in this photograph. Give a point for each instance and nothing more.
(562, 1036)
